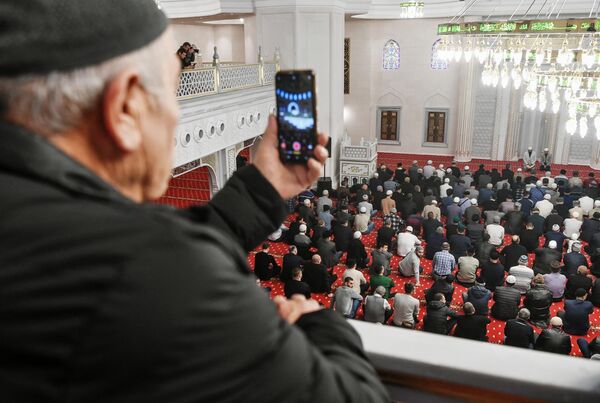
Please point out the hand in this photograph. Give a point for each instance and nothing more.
(288, 179)
(292, 309)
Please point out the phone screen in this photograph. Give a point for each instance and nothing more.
(296, 115)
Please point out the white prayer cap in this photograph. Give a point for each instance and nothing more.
(434, 202)
(326, 192)
(548, 173)
(547, 197)
(456, 200)
(474, 202)
(441, 166)
(555, 227)
(365, 197)
(357, 235)
(447, 180)
(489, 186)
(575, 214)
(538, 183)
(556, 322)
(375, 175)
(530, 148)
(415, 162)
(302, 228)
(429, 162)
(467, 168)
(363, 209)
(553, 186)
(307, 202)
(545, 149)
(519, 169)
(511, 280)
(449, 170)
(409, 229)
(575, 236)
(552, 244)
(389, 193)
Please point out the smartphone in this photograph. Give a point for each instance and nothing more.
(296, 115)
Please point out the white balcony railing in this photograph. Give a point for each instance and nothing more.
(221, 78)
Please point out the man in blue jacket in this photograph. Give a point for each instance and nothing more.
(576, 316)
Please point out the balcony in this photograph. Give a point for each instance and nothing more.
(419, 366)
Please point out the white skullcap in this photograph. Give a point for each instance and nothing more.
(380, 188)
(547, 197)
(519, 169)
(441, 166)
(357, 235)
(545, 149)
(474, 202)
(306, 202)
(429, 162)
(555, 227)
(530, 148)
(449, 170)
(575, 214)
(467, 168)
(596, 203)
(556, 322)
(415, 162)
(447, 180)
(553, 185)
(420, 170)
(365, 197)
(575, 236)
(511, 280)
(363, 209)
(489, 186)
(302, 228)
(409, 229)
(548, 173)
(326, 192)
(434, 202)
(538, 183)
(552, 244)
(375, 175)
(389, 193)
(456, 200)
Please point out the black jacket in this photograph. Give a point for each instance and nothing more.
(472, 327)
(112, 300)
(296, 287)
(553, 341)
(571, 262)
(429, 227)
(357, 251)
(511, 254)
(342, 236)
(442, 287)
(492, 274)
(553, 219)
(595, 297)
(589, 228)
(317, 277)
(529, 240)
(514, 222)
(575, 281)
(289, 262)
(385, 236)
(436, 320)
(483, 250)
(538, 300)
(326, 249)
(261, 266)
(543, 258)
(506, 303)
(518, 333)
(434, 244)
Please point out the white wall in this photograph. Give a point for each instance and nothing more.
(414, 87)
(228, 38)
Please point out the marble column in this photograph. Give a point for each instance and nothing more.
(595, 162)
(310, 35)
(466, 112)
(511, 150)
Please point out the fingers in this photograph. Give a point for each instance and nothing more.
(270, 135)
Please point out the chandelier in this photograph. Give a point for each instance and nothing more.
(411, 9)
(556, 61)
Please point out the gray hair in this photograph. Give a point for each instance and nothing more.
(524, 314)
(380, 290)
(58, 101)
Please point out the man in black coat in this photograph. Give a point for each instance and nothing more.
(578, 280)
(514, 220)
(506, 300)
(113, 297)
(439, 318)
(471, 326)
(511, 253)
(484, 249)
(316, 275)
(517, 332)
(342, 235)
(430, 225)
(544, 257)
(434, 243)
(290, 261)
(553, 219)
(492, 272)
(326, 249)
(529, 239)
(296, 285)
(538, 300)
(553, 339)
(385, 235)
(441, 286)
(590, 226)
(265, 266)
(573, 259)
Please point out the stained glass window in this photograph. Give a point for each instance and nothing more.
(391, 55)
(437, 63)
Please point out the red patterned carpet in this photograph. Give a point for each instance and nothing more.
(495, 328)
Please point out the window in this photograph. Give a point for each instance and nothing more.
(391, 55)
(437, 63)
(388, 125)
(437, 122)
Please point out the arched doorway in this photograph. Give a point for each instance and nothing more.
(191, 188)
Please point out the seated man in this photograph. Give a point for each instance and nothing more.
(317, 277)
(442, 285)
(471, 326)
(296, 285)
(492, 272)
(443, 262)
(517, 332)
(411, 264)
(479, 296)
(439, 318)
(467, 268)
(555, 281)
(506, 300)
(406, 308)
(588, 349)
(435, 242)
(522, 274)
(576, 316)
(381, 280)
(553, 339)
(265, 266)
(381, 257)
(385, 235)
(357, 251)
(346, 300)
(362, 221)
(342, 234)
(581, 279)
(377, 308)
(290, 260)
(360, 283)
(538, 300)
(406, 241)
(326, 249)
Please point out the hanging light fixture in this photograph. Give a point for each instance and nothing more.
(411, 9)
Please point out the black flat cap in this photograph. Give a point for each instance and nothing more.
(40, 36)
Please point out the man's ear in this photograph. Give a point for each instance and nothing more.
(122, 105)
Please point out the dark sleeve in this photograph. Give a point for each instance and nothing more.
(248, 208)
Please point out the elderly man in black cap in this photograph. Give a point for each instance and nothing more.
(108, 297)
